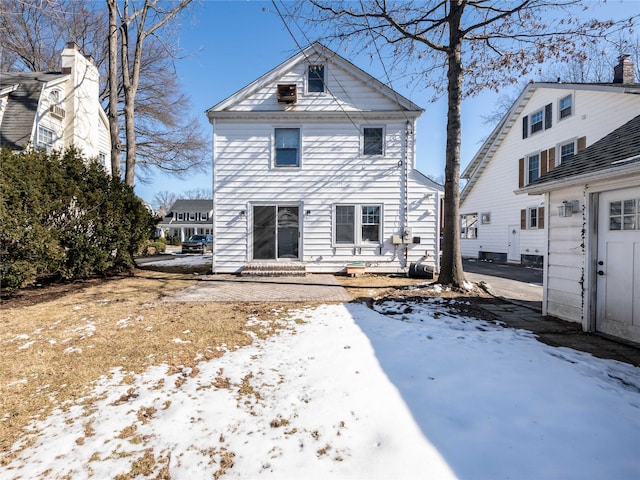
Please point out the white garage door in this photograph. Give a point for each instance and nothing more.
(618, 264)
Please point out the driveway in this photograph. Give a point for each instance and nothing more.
(522, 285)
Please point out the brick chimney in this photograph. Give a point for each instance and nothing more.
(623, 72)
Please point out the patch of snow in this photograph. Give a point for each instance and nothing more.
(26, 345)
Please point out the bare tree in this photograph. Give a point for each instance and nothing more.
(461, 47)
(32, 35)
(163, 201)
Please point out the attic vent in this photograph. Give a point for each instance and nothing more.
(56, 111)
(287, 93)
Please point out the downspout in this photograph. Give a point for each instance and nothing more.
(408, 133)
(213, 196)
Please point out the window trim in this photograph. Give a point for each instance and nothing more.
(530, 225)
(324, 79)
(574, 142)
(571, 107)
(466, 226)
(40, 142)
(527, 168)
(357, 225)
(274, 150)
(382, 140)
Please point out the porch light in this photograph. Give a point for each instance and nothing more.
(308, 213)
(566, 209)
(243, 213)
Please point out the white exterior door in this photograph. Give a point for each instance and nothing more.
(513, 252)
(618, 264)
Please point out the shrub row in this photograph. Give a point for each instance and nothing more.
(64, 217)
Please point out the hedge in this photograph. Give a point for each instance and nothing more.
(64, 217)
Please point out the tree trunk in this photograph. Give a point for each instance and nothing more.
(113, 89)
(451, 272)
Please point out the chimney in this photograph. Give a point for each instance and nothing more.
(623, 72)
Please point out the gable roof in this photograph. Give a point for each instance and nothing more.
(617, 154)
(22, 105)
(191, 205)
(473, 171)
(329, 55)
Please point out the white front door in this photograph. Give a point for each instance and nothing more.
(618, 264)
(513, 251)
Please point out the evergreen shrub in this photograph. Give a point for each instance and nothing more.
(65, 217)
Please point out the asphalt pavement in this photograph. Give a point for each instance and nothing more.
(514, 283)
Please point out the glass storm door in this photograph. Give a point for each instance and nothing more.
(275, 232)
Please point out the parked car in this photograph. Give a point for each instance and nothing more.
(198, 243)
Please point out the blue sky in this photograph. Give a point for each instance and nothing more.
(231, 43)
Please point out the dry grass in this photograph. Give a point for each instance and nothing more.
(55, 342)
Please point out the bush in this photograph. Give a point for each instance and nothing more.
(65, 217)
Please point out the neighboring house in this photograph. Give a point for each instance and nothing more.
(546, 126)
(592, 269)
(54, 110)
(186, 218)
(314, 166)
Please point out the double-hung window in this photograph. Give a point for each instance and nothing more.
(537, 121)
(533, 167)
(315, 79)
(45, 138)
(287, 147)
(566, 106)
(567, 150)
(372, 141)
(357, 224)
(469, 225)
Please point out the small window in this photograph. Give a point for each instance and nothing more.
(537, 121)
(469, 225)
(532, 218)
(192, 216)
(566, 106)
(357, 224)
(533, 167)
(54, 96)
(204, 216)
(180, 216)
(315, 79)
(567, 151)
(287, 142)
(485, 218)
(372, 143)
(45, 138)
(624, 215)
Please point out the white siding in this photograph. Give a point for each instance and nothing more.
(332, 171)
(596, 113)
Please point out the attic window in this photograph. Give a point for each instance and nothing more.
(315, 78)
(287, 93)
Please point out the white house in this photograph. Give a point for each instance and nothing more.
(187, 217)
(546, 126)
(55, 110)
(314, 165)
(592, 266)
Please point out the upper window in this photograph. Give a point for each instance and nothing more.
(315, 78)
(373, 141)
(45, 138)
(567, 151)
(469, 225)
(624, 215)
(357, 224)
(533, 168)
(537, 121)
(287, 152)
(54, 96)
(566, 106)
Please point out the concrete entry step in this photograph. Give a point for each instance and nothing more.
(274, 269)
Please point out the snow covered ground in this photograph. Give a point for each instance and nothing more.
(404, 392)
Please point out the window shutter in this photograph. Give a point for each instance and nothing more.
(521, 173)
(523, 219)
(540, 217)
(525, 126)
(543, 162)
(548, 114)
(551, 158)
(582, 144)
